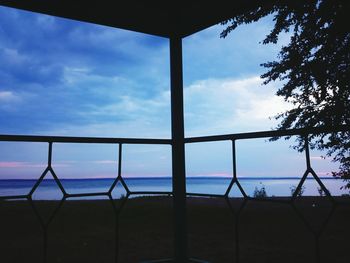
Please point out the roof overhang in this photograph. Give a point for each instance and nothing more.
(164, 18)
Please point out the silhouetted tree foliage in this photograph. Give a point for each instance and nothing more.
(313, 68)
(260, 192)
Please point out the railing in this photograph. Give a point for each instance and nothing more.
(304, 133)
(108, 194)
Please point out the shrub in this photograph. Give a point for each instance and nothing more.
(260, 192)
(294, 188)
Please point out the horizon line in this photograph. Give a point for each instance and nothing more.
(170, 177)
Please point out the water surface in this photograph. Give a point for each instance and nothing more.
(49, 190)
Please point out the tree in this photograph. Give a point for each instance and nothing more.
(314, 69)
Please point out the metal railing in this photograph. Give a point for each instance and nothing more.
(66, 195)
(304, 133)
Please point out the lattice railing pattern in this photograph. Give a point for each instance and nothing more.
(119, 180)
(305, 134)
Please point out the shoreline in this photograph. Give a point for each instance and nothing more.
(48, 189)
(342, 200)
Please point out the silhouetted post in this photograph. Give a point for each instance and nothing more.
(178, 150)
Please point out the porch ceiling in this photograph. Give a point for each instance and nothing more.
(157, 17)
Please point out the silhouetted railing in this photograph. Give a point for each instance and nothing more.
(304, 133)
(51, 140)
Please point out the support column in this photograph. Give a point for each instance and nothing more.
(178, 150)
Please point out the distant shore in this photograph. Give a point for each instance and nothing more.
(278, 186)
(84, 231)
(188, 177)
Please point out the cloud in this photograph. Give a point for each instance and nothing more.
(98, 77)
(46, 22)
(135, 108)
(85, 72)
(142, 128)
(211, 175)
(9, 101)
(8, 96)
(240, 54)
(21, 165)
(79, 79)
(16, 164)
(114, 162)
(12, 56)
(212, 106)
(230, 105)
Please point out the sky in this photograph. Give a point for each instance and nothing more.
(68, 78)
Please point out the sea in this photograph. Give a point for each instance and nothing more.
(276, 186)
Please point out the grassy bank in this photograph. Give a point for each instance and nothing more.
(84, 231)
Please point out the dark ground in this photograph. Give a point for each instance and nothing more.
(84, 231)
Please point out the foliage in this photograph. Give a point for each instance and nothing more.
(314, 69)
(294, 188)
(260, 192)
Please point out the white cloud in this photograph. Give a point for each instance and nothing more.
(112, 162)
(217, 106)
(16, 164)
(140, 128)
(136, 107)
(262, 108)
(83, 76)
(5, 95)
(212, 106)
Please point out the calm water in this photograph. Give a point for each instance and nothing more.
(48, 189)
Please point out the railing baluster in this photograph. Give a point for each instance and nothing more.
(307, 153)
(120, 152)
(49, 155)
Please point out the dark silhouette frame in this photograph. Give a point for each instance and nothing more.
(175, 21)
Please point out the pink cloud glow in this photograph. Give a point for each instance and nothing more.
(106, 162)
(219, 174)
(27, 165)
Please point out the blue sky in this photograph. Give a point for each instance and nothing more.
(62, 77)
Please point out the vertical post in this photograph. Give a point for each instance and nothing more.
(178, 150)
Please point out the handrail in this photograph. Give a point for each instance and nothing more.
(68, 139)
(224, 137)
(272, 133)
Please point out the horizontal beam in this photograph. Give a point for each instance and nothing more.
(206, 195)
(64, 139)
(150, 193)
(12, 197)
(268, 134)
(86, 195)
(225, 137)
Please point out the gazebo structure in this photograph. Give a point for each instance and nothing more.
(173, 20)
